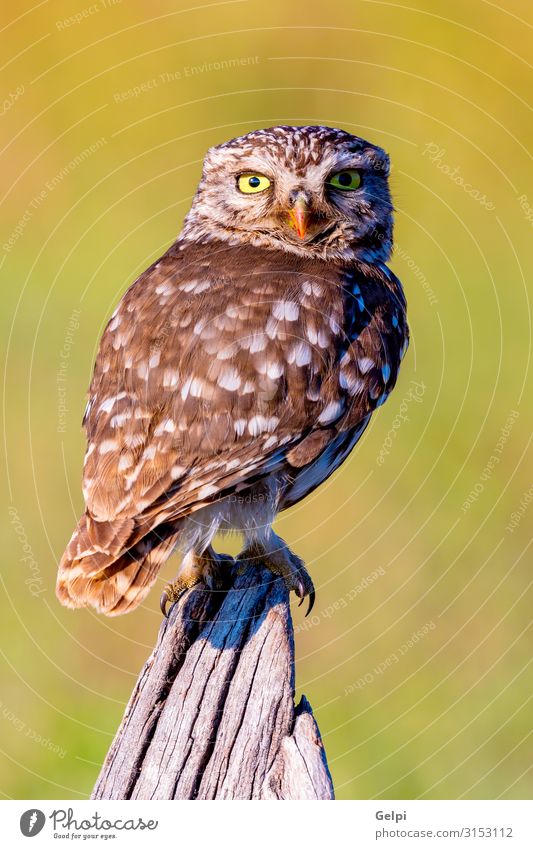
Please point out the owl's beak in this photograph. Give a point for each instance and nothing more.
(299, 216)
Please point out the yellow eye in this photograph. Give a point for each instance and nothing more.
(252, 183)
(346, 180)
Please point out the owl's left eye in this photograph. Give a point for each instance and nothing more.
(347, 180)
(252, 183)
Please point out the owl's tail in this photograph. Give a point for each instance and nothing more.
(102, 569)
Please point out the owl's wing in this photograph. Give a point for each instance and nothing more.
(188, 398)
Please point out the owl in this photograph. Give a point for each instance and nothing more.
(240, 369)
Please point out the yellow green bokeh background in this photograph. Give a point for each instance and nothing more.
(427, 499)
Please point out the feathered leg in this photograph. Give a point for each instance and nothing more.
(268, 548)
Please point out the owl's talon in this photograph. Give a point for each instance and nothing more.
(281, 561)
(303, 594)
(170, 595)
(210, 568)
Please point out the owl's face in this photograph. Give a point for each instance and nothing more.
(308, 190)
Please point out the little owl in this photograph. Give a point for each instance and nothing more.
(240, 369)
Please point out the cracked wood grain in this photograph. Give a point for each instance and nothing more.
(212, 715)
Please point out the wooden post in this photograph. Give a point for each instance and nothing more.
(212, 715)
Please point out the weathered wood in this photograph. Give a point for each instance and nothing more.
(212, 715)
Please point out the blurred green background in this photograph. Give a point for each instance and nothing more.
(108, 109)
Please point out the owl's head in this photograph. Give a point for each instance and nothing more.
(310, 190)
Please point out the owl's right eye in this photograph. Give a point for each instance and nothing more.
(252, 183)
